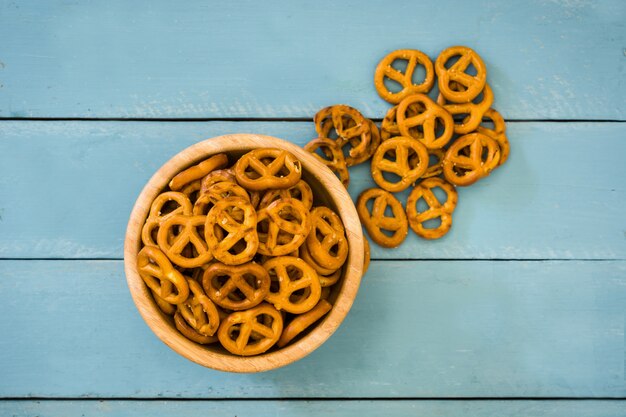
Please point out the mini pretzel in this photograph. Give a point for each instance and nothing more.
(435, 208)
(498, 133)
(265, 168)
(371, 148)
(222, 283)
(366, 255)
(306, 256)
(236, 331)
(196, 172)
(238, 219)
(331, 279)
(190, 333)
(292, 275)
(303, 321)
(301, 191)
(158, 216)
(287, 219)
(331, 251)
(219, 175)
(163, 305)
(386, 70)
(192, 190)
(427, 119)
(449, 78)
(434, 168)
(179, 231)
(389, 126)
(216, 192)
(462, 170)
(160, 276)
(348, 123)
(334, 157)
(474, 111)
(376, 221)
(199, 311)
(406, 166)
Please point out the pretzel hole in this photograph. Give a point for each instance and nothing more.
(389, 212)
(238, 247)
(451, 61)
(471, 70)
(251, 173)
(294, 273)
(433, 159)
(168, 207)
(392, 85)
(440, 127)
(391, 177)
(388, 233)
(432, 223)
(300, 296)
(234, 331)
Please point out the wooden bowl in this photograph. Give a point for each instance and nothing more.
(327, 190)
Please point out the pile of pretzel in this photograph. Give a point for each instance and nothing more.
(239, 255)
(422, 143)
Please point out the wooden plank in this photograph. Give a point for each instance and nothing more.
(546, 59)
(417, 329)
(313, 408)
(67, 189)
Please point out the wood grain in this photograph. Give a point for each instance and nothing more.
(67, 189)
(416, 329)
(313, 408)
(546, 59)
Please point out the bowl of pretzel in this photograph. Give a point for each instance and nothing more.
(244, 253)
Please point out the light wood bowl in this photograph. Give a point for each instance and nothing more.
(327, 190)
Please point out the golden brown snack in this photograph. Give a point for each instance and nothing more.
(498, 132)
(424, 125)
(197, 172)
(327, 243)
(385, 69)
(303, 321)
(455, 75)
(376, 221)
(474, 111)
(334, 157)
(160, 276)
(235, 332)
(410, 161)
(236, 287)
(230, 221)
(190, 333)
(179, 232)
(483, 155)
(282, 227)
(164, 206)
(199, 311)
(298, 286)
(266, 168)
(301, 191)
(436, 209)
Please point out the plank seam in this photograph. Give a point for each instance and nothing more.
(450, 399)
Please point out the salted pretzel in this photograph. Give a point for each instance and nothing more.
(366, 255)
(236, 287)
(292, 275)
(348, 124)
(164, 306)
(461, 169)
(160, 276)
(435, 161)
(236, 331)
(449, 78)
(410, 161)
(306, 256)
(376, 221)
(474, 111)
(436, 209)
(424, 125)
(334, 158)
(498, 132)
(371, 148)
(199, 311)
(216, 192)
(266, 168)
(301, 191)
(282, 227)
(405, 79)
(160, 210)
(331, 279)
(219, 175)
(192, 190)
(237, 219)
(190, 333)
(327, 241)
(303, 321)
(196, 172)
(177, 233)
(389, 125)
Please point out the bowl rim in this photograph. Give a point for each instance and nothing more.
(353, 268)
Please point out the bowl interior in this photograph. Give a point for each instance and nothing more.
(327, 191)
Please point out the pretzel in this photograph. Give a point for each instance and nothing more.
(472, 84)
(331, 279)
(301, 191)
(219, 175)
(376, 221)
(158, 214)
(349, 125)
(371, 148)
(463, 170)
(366, 255)
(190, 333)
(192, 190)
(160, 276)
(389, 125)
(406, 166)
(386, 70)
(436, 209)
(474, 111)
(199, 311)
(282, 227)
(434, 168)
(327, 242)
(164, 306)
(306, 256)
(216, 192)
(498, 133)
(179, 231)
(238, 219)
(303, 321)
(196, 172)
(292, 275)
(334, 157)
(236, 330)
(429, 116)
(236, 287)
(265, 168)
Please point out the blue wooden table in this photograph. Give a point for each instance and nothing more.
(519, 311)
